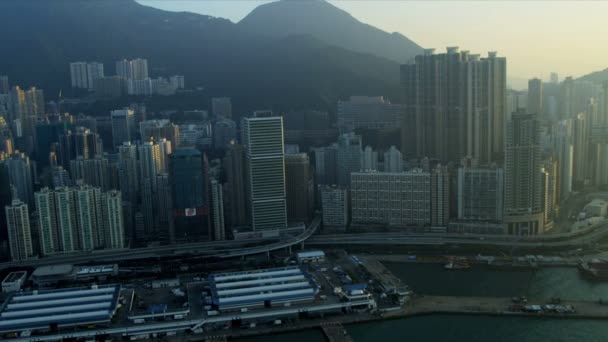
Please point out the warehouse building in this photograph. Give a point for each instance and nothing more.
(50, 310)
(14, 281)
(261, 288)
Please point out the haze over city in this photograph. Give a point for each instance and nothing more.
(303, 170)
(538, 37)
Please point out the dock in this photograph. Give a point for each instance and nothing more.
(335, 332)
(378, 271)
(494, 306)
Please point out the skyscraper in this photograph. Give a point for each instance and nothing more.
(440, 196)
(535, 97)
(159, 129)
(123, 126)
(299, 187)
(19, 231)
(217, 212)
(94, 172)
(348, 157)
(234, 164)
(224, 131)
(454, 106)
(189, 195)
(128, 172)
(34, 102)
(580, 144)
(523, 183)
(80, 218)
(20, 177)
(263, 142)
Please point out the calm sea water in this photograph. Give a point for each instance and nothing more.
(434, 280)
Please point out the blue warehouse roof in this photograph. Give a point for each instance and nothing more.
(75, 306)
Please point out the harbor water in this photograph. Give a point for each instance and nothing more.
(432, 279)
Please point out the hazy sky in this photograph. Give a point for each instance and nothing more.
(537, 37)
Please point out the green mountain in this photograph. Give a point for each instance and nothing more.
(323, 21)
(296, 71)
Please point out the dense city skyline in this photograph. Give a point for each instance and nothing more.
(543, 37)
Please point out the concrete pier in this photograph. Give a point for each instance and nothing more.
(335, 332)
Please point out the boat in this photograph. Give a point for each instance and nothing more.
(595, 269)
(457, 264)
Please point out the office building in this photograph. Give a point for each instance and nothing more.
(19, 231)
(523, 181)
(335, 207)
(393, 160)
(265, 172)
(123, 126)
(234, 164)
(187, 174)
(221, 107)
(454, 106)
(396, 199)
(535, 97)
(217, 210)
(299, 187)
(369, 113)
(348, 157)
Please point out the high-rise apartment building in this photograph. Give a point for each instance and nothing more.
(94, 172)
(159, 129)
(20, 175)
(19, 231)
(535, 97)
(440, 196)
(523, 182)
(454, 106)
(393, 160)
(136, 69)
(265, 171)
(80, 218)
(123, 126)
(335, 207)
(84, 74)
(348, 157)
(4, 85)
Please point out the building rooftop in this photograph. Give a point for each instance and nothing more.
(260, 286)
(53, 270)
(14, 276)
(37, 310)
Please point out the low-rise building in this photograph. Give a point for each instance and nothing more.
(261, 288)
(43, 310)
(14, 281)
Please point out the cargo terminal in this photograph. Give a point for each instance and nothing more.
(53, 309)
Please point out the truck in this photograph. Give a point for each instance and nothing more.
(278, 322)
(139, 321)
(212, 313)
